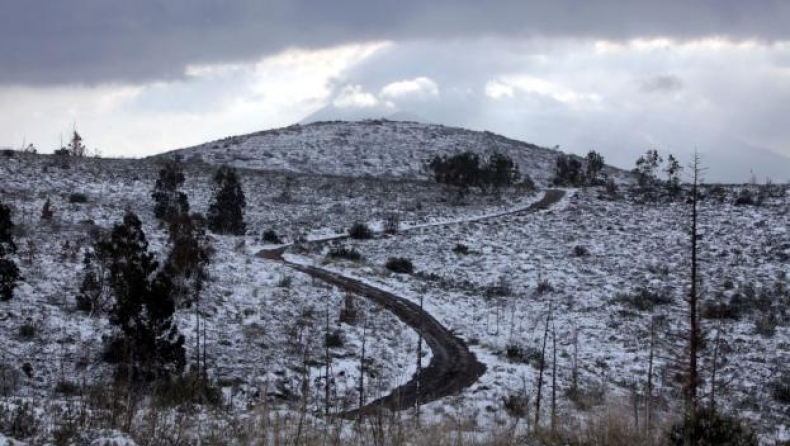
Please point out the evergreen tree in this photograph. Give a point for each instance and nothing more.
(9, 272)
(673, 175)
(226, 213)
(646, 167)
(189, 256)
(7, 245)
(461, 171)
(150, 344)
(170, 202)
(47, 212)
(500, 171)
(568, 171)
(76, 147)
(9, 276)
(91, 289)
(595, 164)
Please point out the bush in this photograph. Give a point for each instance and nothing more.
(27, 331)
(333, 339)
(544, 286)
(461, 249)
(765, 325)
(67, 388)
(516, 405)
(78, 198)
(710, 428)
(745, 198)
(580, 251)
(643, 299)
(269, 236)
(285, 282)
(188, 389)
(360, 231)
(780, 389)
(721, 310)
(341, 252)
(525, 355)
(399, 265)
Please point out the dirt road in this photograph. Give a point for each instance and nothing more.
(453, 367)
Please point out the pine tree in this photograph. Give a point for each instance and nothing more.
(7, 245)
(189, 256)
(9, 272)
(595, 164)
(89, 297)
(500, 171)
(646, 167)
(47, 212)
(76, 147)
(143, 312)
(9, 276)
(170, 202)
(226, 213)
(673, 175)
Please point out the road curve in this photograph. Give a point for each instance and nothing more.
(452, 368)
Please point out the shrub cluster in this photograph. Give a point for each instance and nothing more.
(399, 265)
(342, 252)
(466, 170)
(360, 231)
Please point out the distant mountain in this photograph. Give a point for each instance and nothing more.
(740, 163)
(377, 148)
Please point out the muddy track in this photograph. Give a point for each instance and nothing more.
(452, 368)
(550, 197)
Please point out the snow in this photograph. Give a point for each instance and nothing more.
(262, 316)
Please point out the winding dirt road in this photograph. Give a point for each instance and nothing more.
(453, 367)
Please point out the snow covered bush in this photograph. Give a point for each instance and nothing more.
(269, 236)
(342, 252)
(399, 265)
(360, 231)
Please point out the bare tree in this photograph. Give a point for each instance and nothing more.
(693, 380)
(542, 367)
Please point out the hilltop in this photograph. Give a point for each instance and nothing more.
(370, 148)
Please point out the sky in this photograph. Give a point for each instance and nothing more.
(620, 77)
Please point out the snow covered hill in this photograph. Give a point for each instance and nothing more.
(377, 148)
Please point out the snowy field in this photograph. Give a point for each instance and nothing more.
(608, 270)
(589, 260)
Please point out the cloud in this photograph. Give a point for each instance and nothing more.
(507, 86)
(212, 102)
(420, 89)
(663, 83)
(352, 96)
(101, 41)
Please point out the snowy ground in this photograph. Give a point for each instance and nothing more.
(744, 256)
(260, 314)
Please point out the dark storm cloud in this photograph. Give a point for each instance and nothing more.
(93, 41)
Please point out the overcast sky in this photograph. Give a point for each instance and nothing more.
(140, 77)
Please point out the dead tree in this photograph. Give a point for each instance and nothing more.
(553, 377)
(327, 363)
(419, 365)
(362, 364)
(694, 330)
(542, 367)
(649, 390)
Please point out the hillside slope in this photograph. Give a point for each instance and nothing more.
(377, 148)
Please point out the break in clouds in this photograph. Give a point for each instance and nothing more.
(141, 77)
